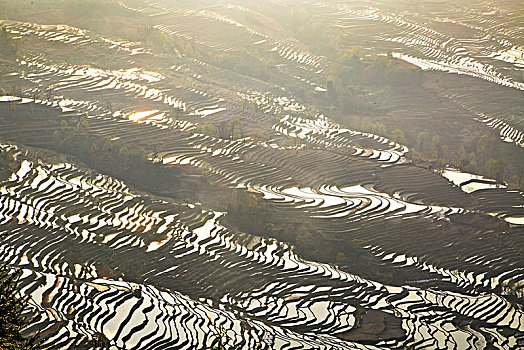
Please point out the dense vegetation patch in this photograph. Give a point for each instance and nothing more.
(126, 161)
(12, 308)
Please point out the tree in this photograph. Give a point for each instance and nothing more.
(473, 165)
(379, 129)
(34, 95)
(520, 173)
(398, 136)
(206, 129)
(304, 239)
(492, 167)
(259, 137)
(437, 146)
(244, 104)
(423, 141)
(221, 339)
(500, 171)
(332, 92)
(235, 130)
(12, 307)
(49, 94)
(482, 145)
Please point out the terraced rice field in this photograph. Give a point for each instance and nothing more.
(443, 264)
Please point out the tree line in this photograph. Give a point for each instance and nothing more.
(238, 62)
(479, 154)
(127, 161)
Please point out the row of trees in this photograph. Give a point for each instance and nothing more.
(380, 129)
(354, 76)
(250, 213)
(227, 130)
(126, 161)
(239, 62)
(480, 154)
